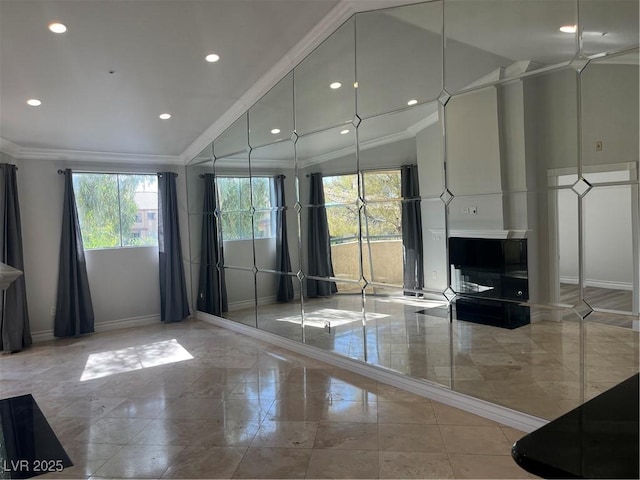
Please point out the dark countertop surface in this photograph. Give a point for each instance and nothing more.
(599, 439)
(28, 445)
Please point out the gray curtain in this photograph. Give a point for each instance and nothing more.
(212, 289)
(319, 247)
(411, 229)
(174, 304)
(16, 333)
(74, 309)
(284, 291)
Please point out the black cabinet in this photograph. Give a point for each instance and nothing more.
(490, 277)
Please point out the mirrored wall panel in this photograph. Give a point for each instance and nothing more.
(608, 25)
(271, 118)
(446, 190)
(609, 120)
(489, 40)
(325, 83)
(398, 57)
(607, 281)
(335, 323)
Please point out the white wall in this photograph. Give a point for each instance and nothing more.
(124, 282)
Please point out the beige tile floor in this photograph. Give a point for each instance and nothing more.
(545, 368)
(190, 400)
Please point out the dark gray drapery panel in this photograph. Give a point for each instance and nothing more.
(411, 228)
(174, 303)
(319, 247)
(74, 309)
(284, 291)
(212, 289)
(16, 333)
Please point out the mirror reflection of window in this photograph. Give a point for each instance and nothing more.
(235, 196)
(381, 224)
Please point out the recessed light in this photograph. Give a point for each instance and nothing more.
(413, 101)
(57, 27)
(345, 131)
(275, 131)
(34, 102)
(335, 85)
(212, 58)
(568, 28)
(165, 116)
(355, 84)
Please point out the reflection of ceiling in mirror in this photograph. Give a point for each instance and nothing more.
(529, 30)
(509, 33)
(374, 132)
(331, 144)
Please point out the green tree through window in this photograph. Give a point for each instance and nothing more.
(383, 213)
(108, 206)
(235, 195)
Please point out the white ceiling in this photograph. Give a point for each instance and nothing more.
(156, 50)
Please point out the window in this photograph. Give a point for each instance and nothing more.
(151, 215)
(383, 210)
(234, 196)
(110, 209)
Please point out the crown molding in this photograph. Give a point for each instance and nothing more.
(424, 123)
(9, 148)
(336, 17)
(28, 153)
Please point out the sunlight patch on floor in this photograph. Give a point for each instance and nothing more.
(112, 362)
(337, 318)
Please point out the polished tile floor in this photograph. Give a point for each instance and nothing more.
(544, 369)
(190, 400)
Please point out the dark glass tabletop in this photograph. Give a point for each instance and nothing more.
(28, 445)
(599, 439)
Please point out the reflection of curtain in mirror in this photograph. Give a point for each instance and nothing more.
(16, 333)
(319, 248)
(411, 229)
(174, 304)
(212, 289)
(74, 308)
(284, 291)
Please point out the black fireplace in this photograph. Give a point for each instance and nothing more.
(484, 273)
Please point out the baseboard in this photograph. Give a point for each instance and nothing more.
(45, 335)
(599, 283)
(497, 413)
(242, 304)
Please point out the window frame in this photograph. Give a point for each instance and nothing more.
(121, 235)
(361, 180)
(240, 212)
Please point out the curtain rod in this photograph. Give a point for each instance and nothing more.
(3, 164)
(61, 172)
